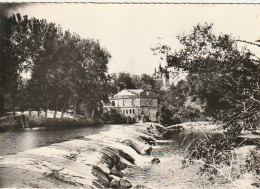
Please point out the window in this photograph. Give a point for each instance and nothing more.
(130, 111)
(151, 102)
(113, 103)
(123, 111)
(126, 111)
(133, 111)
(123, 103)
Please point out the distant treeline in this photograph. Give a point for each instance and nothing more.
(65, 70)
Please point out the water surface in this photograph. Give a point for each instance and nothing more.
(18, 140)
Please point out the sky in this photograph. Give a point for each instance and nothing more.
(128, 31)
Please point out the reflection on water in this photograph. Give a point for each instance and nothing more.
(23, 139)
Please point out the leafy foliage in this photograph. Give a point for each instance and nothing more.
(226, 80)
(65, 69)
(225, 77)
(124, 80)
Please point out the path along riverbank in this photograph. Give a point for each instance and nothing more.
(123, 157)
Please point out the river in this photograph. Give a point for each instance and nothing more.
(153, 176)
(18, 140)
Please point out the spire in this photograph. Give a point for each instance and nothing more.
(160, 68)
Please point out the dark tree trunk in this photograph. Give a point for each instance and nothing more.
(12, 108)
(22, 121)
(86, 113)
(27, 125)
(56, 107)
(75, 108)
(93, 113)
(63, 109)
(39, 112)
(13, 112)
(2, 107)
(30, 113)
(46, 113)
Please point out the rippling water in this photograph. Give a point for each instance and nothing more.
(169, 173)
(23, 139)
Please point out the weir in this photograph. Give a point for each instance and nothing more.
(95, 161)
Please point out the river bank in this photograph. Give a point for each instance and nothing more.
(125, 156)
(23, 120)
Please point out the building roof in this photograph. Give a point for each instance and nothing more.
(129, 92)
(136, 91)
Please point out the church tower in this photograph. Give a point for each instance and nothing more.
(162, 76)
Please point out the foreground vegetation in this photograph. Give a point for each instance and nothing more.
(225, 79)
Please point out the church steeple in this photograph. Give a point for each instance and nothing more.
(160, 68)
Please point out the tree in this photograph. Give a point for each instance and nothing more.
(14, 54)
(227, 78)
(65, 69)
(125, 81)
(44, 49)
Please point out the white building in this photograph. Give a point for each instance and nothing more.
(135, 104)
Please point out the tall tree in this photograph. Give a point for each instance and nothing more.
(227, 77)
(14, 56)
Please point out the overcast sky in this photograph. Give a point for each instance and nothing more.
(129, 31)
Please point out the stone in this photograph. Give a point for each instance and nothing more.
(155, 161)
(116, 172)
(109, 157)
(149, 151)
(115, 181)
(102, 177)
(126, 156)
(120, 165)
(139, 186)
(148, 140)
(125, 184)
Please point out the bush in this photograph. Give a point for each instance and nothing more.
(253, 166)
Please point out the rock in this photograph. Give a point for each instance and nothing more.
(175, 127)
(116, 172)
(97, 184)
(126, 156)
(140, 187)
(155, 161)
(109, 157)
(125, 184)
(120, 165)
(115, 181)
(139, 147)
(102, 177)
(115, 177)
(149, 150)
(148, 139)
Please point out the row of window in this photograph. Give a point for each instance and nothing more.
(148, 102)
(130, 111)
